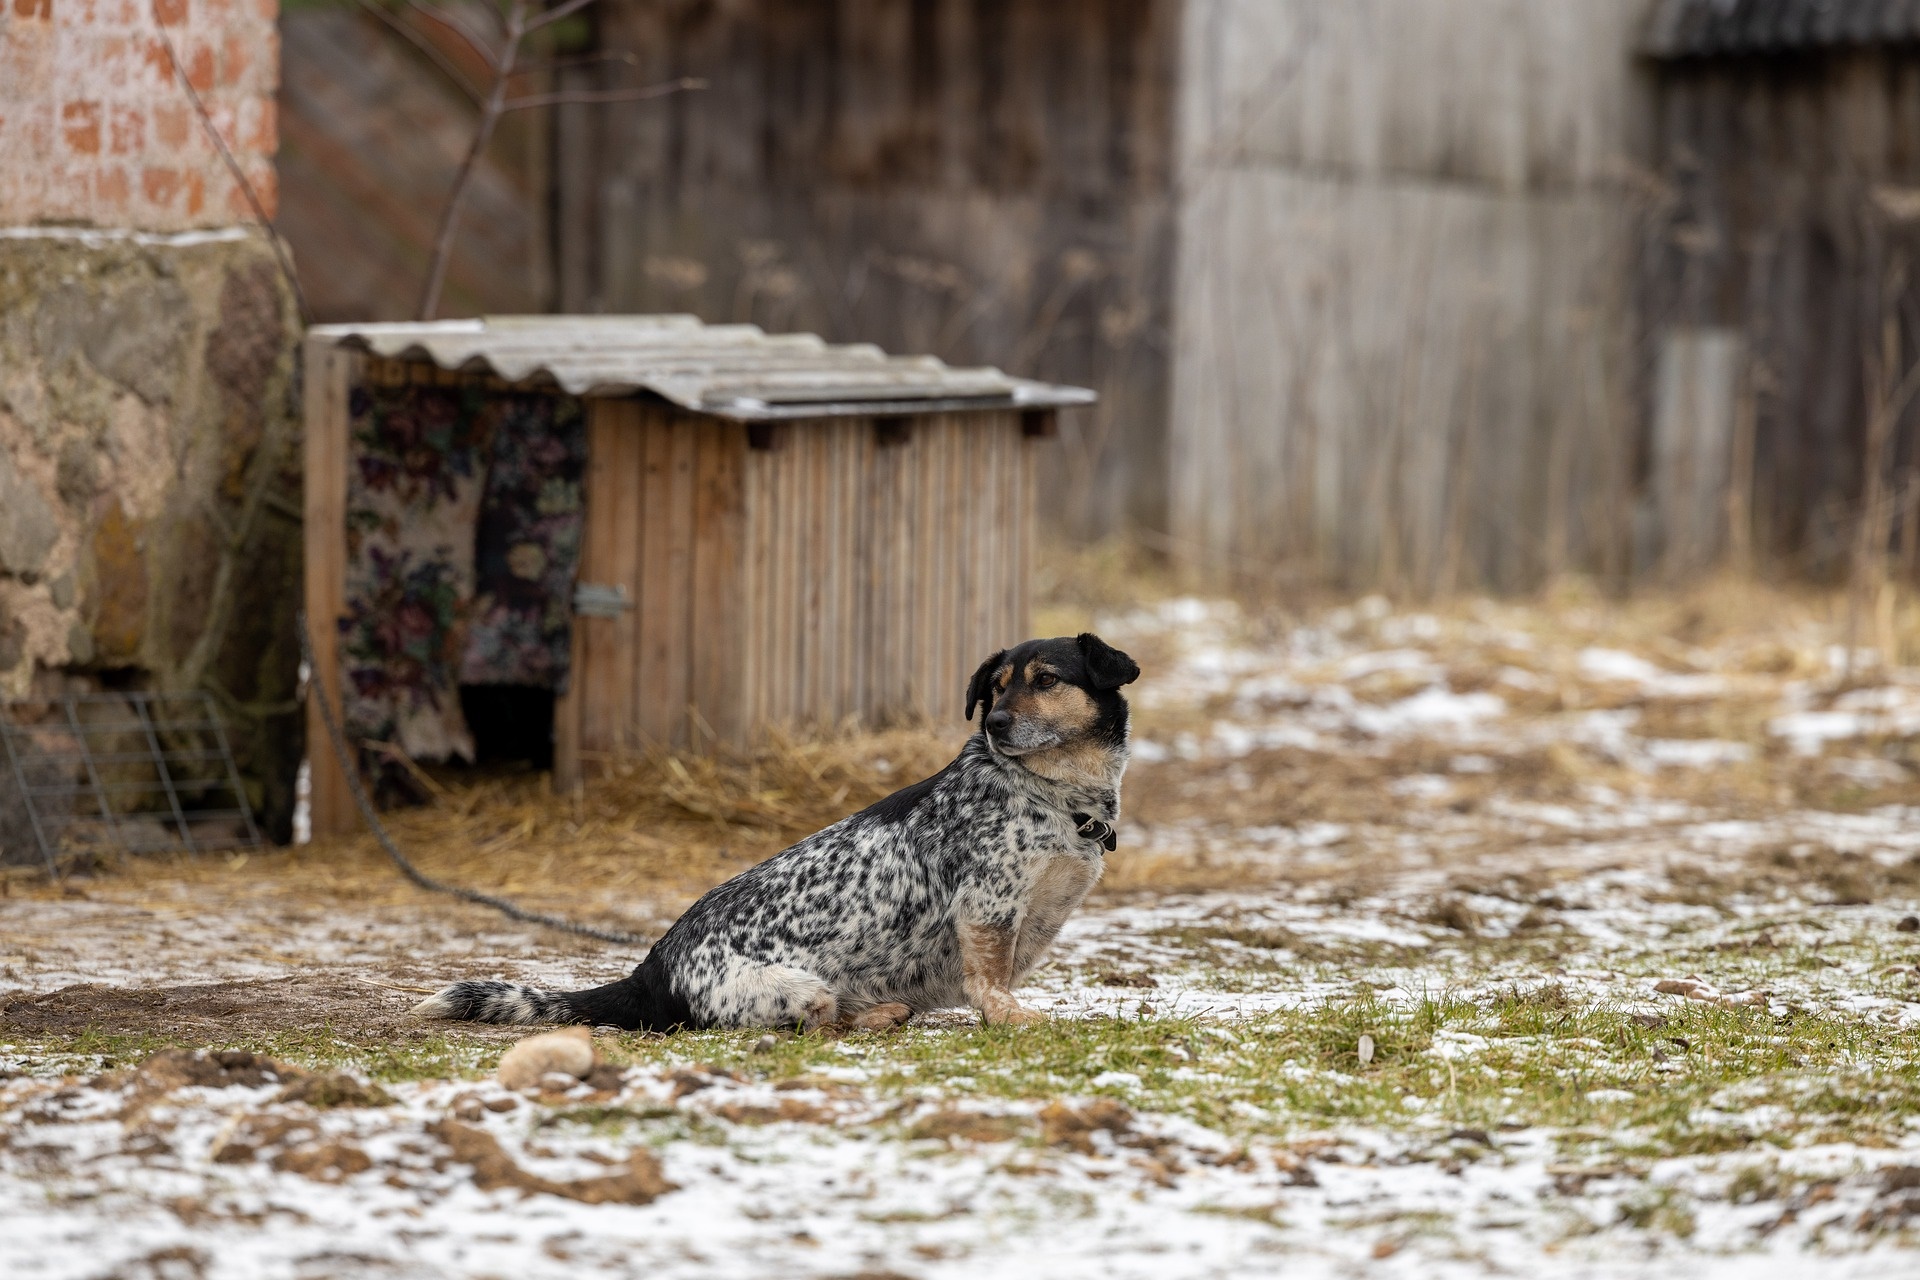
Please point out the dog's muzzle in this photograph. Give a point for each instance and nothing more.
(1019, 738)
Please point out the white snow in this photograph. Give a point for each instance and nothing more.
(1595, 887)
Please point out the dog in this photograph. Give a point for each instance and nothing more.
(945, 893)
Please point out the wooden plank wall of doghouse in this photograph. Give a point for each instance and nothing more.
(664, 514)
(885, 559)
(798, 574)
(329, 375)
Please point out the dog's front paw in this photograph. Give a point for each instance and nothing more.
(1001, 1009)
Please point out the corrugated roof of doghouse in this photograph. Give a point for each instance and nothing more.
(733, 371)
(1708, 28)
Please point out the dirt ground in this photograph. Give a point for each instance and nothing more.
(1571, 936)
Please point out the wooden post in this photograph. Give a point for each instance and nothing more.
(329, 375)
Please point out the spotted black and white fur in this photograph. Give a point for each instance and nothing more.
(945, 893)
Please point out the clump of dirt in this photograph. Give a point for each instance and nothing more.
(703, 1076)
(794, 1110)
(968, 1126)
(262, 1131)
(326, 1089)
(324, 1161)
(1841, 878)
(1065, 1125)
(640, 1182)
(177, 1262)
(1455, 914)
(172, 1069)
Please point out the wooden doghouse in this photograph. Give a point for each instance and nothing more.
(773, 531)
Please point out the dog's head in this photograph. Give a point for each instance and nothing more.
(1048, 694)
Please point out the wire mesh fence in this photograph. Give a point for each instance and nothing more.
(118, 773)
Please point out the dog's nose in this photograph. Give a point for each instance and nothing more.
(997, 721)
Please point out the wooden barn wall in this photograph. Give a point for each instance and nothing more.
(1402, 350)
(1789, 220)
(371, 133)
(985, 180)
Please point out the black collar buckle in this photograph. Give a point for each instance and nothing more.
(1101, 833)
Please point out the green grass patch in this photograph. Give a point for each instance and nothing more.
(428, 1056)
(1703, 1079)
(1611, 1083)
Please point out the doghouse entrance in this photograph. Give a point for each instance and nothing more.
(463, 514)
(511, 724)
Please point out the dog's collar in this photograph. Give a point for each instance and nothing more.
(1101, 833)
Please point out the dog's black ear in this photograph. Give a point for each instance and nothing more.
(1107, 667)
(980, 689)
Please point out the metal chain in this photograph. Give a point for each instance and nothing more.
(317, 690)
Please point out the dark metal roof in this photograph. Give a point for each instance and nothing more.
(1730, 28)
(729, 370)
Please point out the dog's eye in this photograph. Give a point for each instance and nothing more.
(1045, 680)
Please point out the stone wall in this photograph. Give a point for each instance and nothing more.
(95, 127)
(149, 486)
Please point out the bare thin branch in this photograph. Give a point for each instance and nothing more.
(233, 167)
(551, 16)
(579, 60)
(427, 47)
(460, 28)
(606, 95)
(490, 112)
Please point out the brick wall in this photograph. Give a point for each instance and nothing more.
(94, 124)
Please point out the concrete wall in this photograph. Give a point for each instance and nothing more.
(1401, 350)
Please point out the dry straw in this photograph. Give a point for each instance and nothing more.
(651, 829)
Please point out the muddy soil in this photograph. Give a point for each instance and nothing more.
(206, 1014)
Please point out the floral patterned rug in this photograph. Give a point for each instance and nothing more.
(463, 536)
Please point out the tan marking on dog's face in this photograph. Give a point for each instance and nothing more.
(1064, 708)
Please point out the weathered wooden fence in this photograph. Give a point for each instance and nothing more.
(1401, 351)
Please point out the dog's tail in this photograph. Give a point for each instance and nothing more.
(506, 1002)
(638, 1002)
